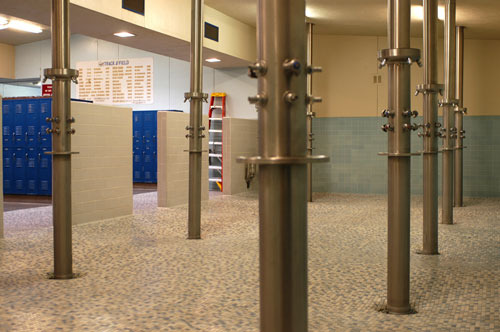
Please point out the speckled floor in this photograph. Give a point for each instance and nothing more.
(140, 273)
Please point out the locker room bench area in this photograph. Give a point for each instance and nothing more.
(101, 172)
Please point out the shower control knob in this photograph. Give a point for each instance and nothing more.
(290, 97)
(410, 114)
(387, 127)
(311, 69)
(292, 66)
(410, 127)
(257, 69)
(257, 100)
(387, 114)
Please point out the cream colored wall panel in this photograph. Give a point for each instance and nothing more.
(7, 61)
(102, 171)
(240, 139)
(173, 161)
(346, 84)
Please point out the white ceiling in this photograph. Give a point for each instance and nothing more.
(90, 23)
(369, 17)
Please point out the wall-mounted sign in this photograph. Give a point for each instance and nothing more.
(211, 32)
(46, 90)
(121, 81)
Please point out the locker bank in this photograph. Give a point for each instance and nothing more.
(249, 165)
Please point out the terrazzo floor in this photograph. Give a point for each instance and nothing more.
(139, 273)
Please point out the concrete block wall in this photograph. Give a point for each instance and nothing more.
(240, 140)
(173, 159)
(102, 171)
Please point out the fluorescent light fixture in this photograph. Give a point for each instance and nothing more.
(213, 60)
(124, 34)
(310, 13)
(3, 22)
(417, 13)
(441, 13)
(24, 26)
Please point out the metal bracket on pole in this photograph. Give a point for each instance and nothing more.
(448, 102)
(280, 160)
(426, 89)
(196, 95)
(399, 55)
(61, 74)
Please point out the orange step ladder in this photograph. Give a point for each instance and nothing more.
(216, 113)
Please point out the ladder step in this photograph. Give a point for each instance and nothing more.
(214, 167)
(215, 119)
(215, 130)
(215, 143)
(215, 155)
(216, 107)
(215, 179)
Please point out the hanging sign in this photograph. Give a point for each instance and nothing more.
(119, 81)
(46, 90)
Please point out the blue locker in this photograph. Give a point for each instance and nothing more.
(20, 158)
(32, 122)
(31, 171)
(44, 139)
(8, 170)
(20, 128)
(44, 171)
(7, 123)
(145, 146)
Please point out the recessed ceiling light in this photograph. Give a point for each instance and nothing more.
(24, 26)
(213, 60)
(417, 13)
(311, 13)
(124, 34)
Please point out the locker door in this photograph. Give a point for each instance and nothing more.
(32, 122)
(31, 171)
(8, 123)
(44, 139)
(20, 129)
(44, 171)
(150, 146)
(138, 167)
(8, 171)
(20, 158)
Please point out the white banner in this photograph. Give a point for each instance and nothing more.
(122, 81)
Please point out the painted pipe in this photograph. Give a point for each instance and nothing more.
(459, 121)
(310, 113)
(398, 59)
(430, 91)
(282, 188)
(449, 103)
(195, 128)
(61, 76)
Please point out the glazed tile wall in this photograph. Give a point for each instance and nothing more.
(102, 171)
(173, 160)
(240, 139)
(355, 167)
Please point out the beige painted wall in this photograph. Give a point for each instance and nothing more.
(173, 18)
(349, 67)
(173, 159)
(7, 61)
(102, 171)
(239, 140)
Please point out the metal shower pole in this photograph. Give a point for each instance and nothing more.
(310, 113)
(61, 76)
(398, 59)
(282, 102)
(430, 90)
(195, 128)
(449, 132)
(459, 120)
